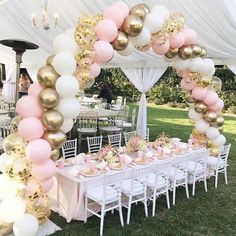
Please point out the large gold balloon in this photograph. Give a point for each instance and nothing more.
(203, 52)
(52, 120)
(216, 83)
(50, 60)
(55, 154)
(221, 129)
(121, 41)
(200, 107)
(219, 122)
(132, 25)
(196, 50)
(145, 7)
(47, 76)
(14, 124)
(210, 116)
(190, 99)
(5, 228)
(14, 145)
(56, 138)
(138, 11)
(214, 151)
(185, 52)
(48, 98)
(172, 53)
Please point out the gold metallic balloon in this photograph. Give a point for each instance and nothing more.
(172, 53)
(214, 151)
(47, 76)
(210, 116)
(55, 154)
(145, 7)
(48, 98)
(56, 138)
(5, 228)
(196, 50)
(216, 83)
(50, 60)
(190, 99)
(200, 107)
(220, 121)
(203, 52)
(185, 52)
(132, 25)
(14, 145)
(221, 129)
(52, 120)
(121, 41)
(195, 132)
(138, 11)
(14, 124)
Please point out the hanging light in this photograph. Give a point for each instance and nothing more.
(47, 22)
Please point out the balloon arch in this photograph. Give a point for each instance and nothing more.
(46, 114)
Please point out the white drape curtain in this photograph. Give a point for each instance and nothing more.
(143, 79)
(232, 68)
(32, 70)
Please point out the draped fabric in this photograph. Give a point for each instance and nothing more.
(143, 79)
(232, 68)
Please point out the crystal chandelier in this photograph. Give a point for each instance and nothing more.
(46, 22)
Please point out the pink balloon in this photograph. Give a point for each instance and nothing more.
(218, 106)
(38, 151)
(35, 89)
(123, 7)
(104, 51)
(28, 106)
(187, 86)
(177, 40)
(190, 36)
(211, 98)
(44, 171)
(47, 185)
(95, 69)
(199, 92)
(30, 128)
(115, 14)
(161, 49)
(106, 30)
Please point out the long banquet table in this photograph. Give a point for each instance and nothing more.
(67, 195)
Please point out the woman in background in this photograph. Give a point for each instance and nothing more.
(105, 92)
(24, 84)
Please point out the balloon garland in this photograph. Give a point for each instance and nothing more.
(46, 114)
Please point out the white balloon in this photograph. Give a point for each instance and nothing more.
(65, 43)
(142, 39)
(64, 63)
(181, 64)
(67, 86)
(69, 107)
(212, 132)
(208, 66)
(70, 32)
(128, 50)
(5, 161)
(8, 187)
(201, 126)
(161, 10)
(153, 22)
(193, 115)
(195, 64)
(67, 125)
(12, 209)
(27, 225)
(220, 140)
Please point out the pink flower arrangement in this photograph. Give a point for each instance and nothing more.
(136, 144)
(109, 154)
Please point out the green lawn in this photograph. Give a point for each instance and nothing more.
(211, 213)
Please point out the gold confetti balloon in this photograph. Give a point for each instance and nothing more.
(216, 84)
(5, 228)
(14, 124)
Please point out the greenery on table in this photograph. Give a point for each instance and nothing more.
(211, 213)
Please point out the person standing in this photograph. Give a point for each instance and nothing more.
(24, 85)
(105, 92)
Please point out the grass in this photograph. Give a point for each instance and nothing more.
(211, 213)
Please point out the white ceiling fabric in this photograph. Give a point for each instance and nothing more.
(214, 21)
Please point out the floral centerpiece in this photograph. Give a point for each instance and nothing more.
(162, 141)
(108, 154)
(136, 144)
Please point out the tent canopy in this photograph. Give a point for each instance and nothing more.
(214, 21)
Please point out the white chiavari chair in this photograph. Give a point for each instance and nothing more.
(135, 189)
(130, 125)
(69, 150)
(219, 164)
(114, 140)
(107, 195)
(110, 126)
(129, 135)
(94, 144)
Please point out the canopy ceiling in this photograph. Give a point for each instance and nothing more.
(214, 21)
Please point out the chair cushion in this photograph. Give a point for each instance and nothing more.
(191, 166)
(179, 174)
(151, 181)
(127, 185)
(212, 161)
(96, 193)
(110, 128)
(127, 125)
(87, 130)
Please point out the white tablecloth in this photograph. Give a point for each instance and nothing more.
(68, 192)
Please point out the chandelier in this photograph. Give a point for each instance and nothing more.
(46, 21)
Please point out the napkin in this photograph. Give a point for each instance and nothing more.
(80, 159)
(101, 165)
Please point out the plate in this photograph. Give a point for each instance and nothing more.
(90, 173)
(117, 166)
(141, 161)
